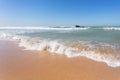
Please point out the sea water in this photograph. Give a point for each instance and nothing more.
(101, 44)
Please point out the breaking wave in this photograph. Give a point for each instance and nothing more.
(45, 28)
(100, 53)
(111, 28)
(60, 28)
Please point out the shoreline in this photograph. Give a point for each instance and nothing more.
(19, 64)
(97, 51)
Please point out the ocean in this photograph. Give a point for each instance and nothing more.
(101, 44)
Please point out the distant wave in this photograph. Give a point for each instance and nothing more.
(55, 46)
(61, 28)
(104, 28)
(111, 28)
(45, 28)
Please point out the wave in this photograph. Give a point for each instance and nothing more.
(111, 28)
(44, 28)
(59, 28)
(55, 46)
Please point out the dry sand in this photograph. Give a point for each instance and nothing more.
(18, 64)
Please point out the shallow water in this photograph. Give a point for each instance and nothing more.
(97, 43)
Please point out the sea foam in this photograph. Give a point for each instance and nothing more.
(57, 28)
(55, 46)
(44, 28)
(111, 28)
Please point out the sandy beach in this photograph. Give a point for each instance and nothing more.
(19, 64)
(59, 39)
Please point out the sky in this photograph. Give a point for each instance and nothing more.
(59, 12)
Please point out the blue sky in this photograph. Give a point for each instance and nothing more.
(59, 12)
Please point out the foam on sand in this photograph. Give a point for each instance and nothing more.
(55, 46)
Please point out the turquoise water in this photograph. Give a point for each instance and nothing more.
(95, 35)
(101, 44)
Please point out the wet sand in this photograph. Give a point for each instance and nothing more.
(19, 64)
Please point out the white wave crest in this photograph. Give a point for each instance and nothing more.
(44, 28)
(54, 46)
(111, 28)
(57, 28)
